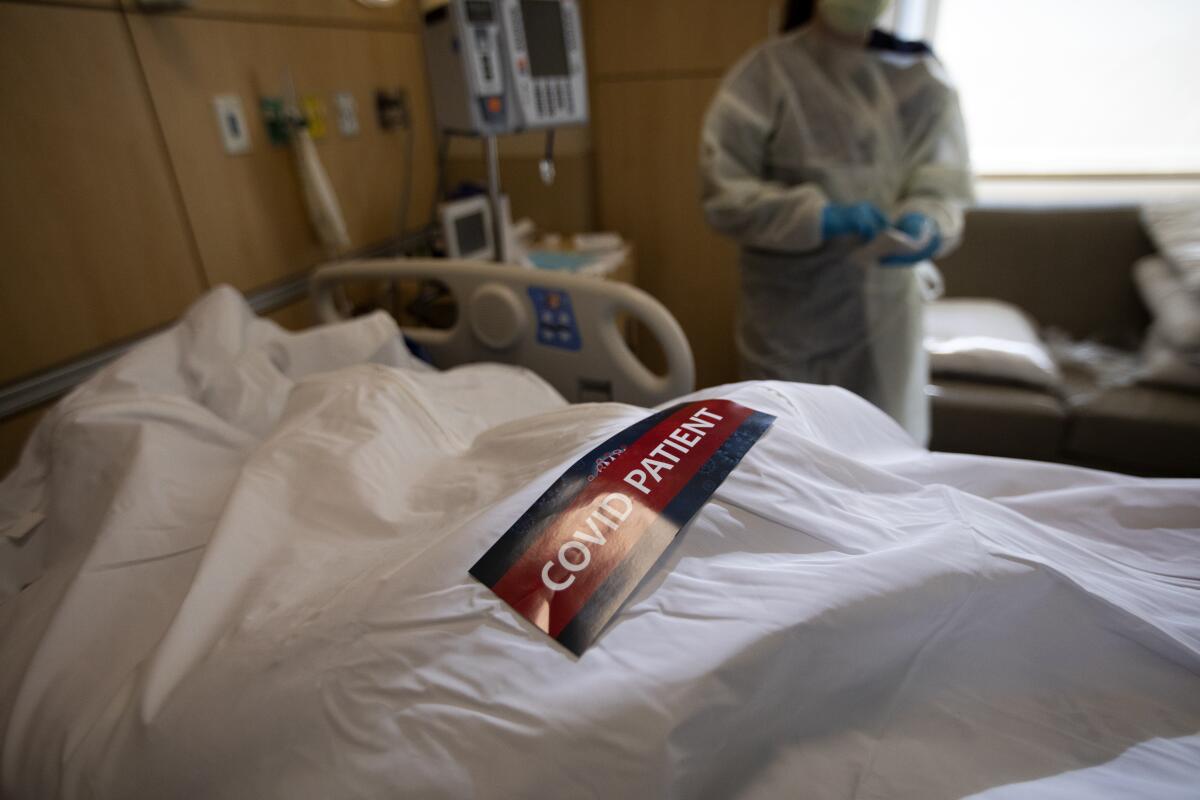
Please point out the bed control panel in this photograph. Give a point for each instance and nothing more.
(556, 325)
(568, 329)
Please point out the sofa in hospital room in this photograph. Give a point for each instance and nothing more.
(1071, 273)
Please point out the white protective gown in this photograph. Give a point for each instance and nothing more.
(804, 121)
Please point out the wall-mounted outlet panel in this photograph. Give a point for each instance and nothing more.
(392, 108)
(231, 119)
(346, 110)
(275, 120)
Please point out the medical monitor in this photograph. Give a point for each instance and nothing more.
(544, 39)
(504, 66)
(467, 228)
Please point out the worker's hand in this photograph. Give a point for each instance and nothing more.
(922, 230)
(863, 220)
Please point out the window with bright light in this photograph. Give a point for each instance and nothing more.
(1075, 87)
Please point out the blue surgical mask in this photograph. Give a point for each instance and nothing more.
(851, 17)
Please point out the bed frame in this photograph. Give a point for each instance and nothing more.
(566, 328)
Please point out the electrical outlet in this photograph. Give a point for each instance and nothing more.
(346, 110)
(392, 108)
(231, 120)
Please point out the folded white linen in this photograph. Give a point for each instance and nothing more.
(256, 587)
(984, 338)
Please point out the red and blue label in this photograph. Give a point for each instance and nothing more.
(581, 549)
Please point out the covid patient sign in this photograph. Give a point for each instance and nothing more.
(577, 554)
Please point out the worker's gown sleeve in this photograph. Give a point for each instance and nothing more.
(738, 201)
(937, 179)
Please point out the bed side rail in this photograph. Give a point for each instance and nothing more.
(566, 328)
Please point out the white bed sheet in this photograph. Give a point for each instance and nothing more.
(250, 581)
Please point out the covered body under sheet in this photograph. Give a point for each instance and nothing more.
(246, 558)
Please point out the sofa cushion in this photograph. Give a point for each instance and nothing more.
(986, 339)
(1163, 365)
(1068, 268)
(1138, 428)
(996, 420)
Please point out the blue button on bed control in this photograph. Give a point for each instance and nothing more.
(557, 326)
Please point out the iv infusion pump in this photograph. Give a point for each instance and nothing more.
(504, 66)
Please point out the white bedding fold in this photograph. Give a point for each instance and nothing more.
(252, 582)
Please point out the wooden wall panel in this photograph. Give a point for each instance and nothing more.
(636, 37)
(94, 3)
(655, 66)
(99, 4)
(13, 434)
(295, 317)
(247, 210)
(646, 135)
(94, 241)
(405, 13)
(564, 207)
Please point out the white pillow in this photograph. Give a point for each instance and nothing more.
(1165, 366)
(1175, 229)
(986, 339)
(1176, 311)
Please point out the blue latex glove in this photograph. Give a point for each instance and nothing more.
(863, 220)
(917, 226)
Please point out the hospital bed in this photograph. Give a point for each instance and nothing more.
(235, 565)
(571, 330)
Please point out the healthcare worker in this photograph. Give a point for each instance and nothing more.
(836, 157)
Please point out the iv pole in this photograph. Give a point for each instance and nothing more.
(491, 154)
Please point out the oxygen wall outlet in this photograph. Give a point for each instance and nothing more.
(275, 119)
(231, 120)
